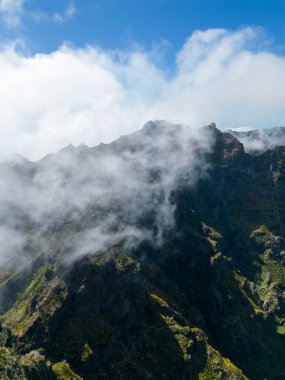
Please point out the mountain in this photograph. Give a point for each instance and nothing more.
(159, 256)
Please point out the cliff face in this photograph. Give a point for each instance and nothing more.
(205, 303)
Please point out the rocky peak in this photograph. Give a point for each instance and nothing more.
(227, 148)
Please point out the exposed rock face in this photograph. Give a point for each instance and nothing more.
(207, 303)
(226, 148)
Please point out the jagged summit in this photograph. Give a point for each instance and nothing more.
(253, 141)
(152, 131)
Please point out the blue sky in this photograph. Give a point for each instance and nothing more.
(82, 71)
(114, 24)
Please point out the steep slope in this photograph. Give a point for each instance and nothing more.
(205, 302)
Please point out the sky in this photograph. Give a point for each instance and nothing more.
(114, 24)
(88, 71)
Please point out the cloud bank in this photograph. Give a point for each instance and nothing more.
(90, 95)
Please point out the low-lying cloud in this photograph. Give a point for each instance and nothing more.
(258, 140)
(83, 200)
(91, 95)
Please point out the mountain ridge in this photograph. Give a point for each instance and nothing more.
(204, 302)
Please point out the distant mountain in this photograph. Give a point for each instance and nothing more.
(159, 256)
(258, 140)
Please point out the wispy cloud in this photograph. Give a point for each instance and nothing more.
(90, 95)
(11, 12)
(68, 12)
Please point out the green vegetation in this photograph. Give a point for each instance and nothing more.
(62, 371)
(219, 368)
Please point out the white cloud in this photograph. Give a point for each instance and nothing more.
(68, 12)
(90, 95)
(11, 11)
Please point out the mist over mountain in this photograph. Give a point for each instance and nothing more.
(121, 191)
(158, 256)
(258, 140)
